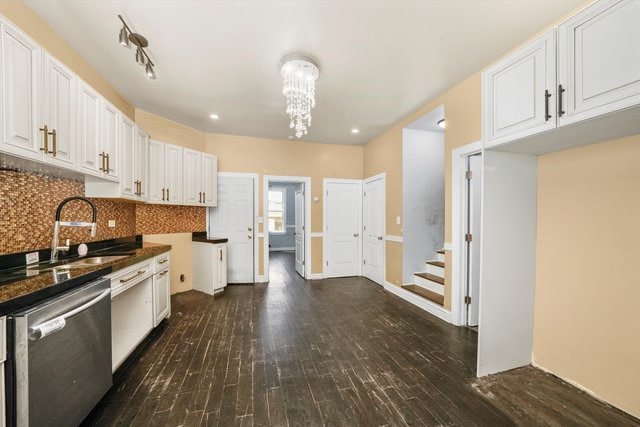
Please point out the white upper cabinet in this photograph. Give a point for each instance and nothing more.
(173, 174)
(127, 159)
(156, 188)
(91, 158)
(192, 193)
(110, 141)
(21, 71)
(141, 165)
(59, 112)
(599, 60)
(209, 182)
(519, 92)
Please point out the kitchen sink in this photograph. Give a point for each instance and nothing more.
(83, 263)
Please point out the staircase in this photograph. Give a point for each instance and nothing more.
(430, 284)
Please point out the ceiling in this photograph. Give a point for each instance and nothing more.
(379, 60)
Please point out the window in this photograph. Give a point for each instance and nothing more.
(277, 208)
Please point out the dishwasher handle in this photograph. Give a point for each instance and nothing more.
(50, 326)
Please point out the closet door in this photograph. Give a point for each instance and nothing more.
(519, 92)
(599, 60)
(21, 73)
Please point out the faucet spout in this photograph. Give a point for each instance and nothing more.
(57, 224)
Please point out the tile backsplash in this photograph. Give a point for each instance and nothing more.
(28, 202)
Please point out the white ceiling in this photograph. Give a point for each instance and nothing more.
(379, 60)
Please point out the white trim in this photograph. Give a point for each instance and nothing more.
(266, 179)
(317, 234)
(458, 254)
(282, 249)
(382, 175)
(326, 181)
(447, 246)
(290, 226)
(316, 276)
(261, 235)
(419, 302)
(256, 205)
(261, 279)
(392, 238)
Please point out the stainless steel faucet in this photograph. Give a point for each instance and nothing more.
(56, 226)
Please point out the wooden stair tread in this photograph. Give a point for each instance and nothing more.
(441, 251)
(425, 293)
(431, 277)
(436, 263)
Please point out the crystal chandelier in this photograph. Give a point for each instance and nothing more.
(299, 74)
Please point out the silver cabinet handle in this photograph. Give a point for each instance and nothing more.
(128, 279)
(163, 261)
(163, 273)
(57, 323)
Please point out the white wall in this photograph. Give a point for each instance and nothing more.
(423, 200)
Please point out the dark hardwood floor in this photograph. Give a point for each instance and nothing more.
(330, 352)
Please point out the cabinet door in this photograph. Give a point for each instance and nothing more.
(161, 296)
(127, 164)
(21, 73)
(156, 190)
(209, 182)
(173, 173)
(192, 193)
(519, 92)
(599, 60)
(60, 86)
(111, 140)
(220, 273)
(89, 106)
(142, 159)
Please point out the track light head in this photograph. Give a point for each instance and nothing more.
(150, 73)
(140, 58)
(124, 38)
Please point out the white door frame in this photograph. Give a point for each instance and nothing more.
(325, 236)
(458, 229)
(382, 176)
(306, 180)
(255, 177)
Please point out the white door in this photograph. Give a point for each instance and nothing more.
(519, 92)
(92, 158)
(111, 142)
(373, 228)
(474, 200)
(343, 219)
(155, 188)
(599, 60)
(191, 193)
(60, 98)
(172, 174)
(233, 219)
(299, 230)
(21, 70)
(128, 138)
(209, 183)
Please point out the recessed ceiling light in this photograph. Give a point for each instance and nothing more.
(441, 123)
(355, 130)
(214, 116)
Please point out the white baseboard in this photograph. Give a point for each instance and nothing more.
(422, 303)
(261, 279)
(316, 276)
(281, 249)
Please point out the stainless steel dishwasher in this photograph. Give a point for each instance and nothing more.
(63, 356)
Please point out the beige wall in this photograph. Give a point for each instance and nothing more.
(181, 259)
(167, 130)
(586, 326)
(462, 106)
(29, 22)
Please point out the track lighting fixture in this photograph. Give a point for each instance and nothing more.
(128, 37)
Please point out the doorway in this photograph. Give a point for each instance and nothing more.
(235, 219)
(287, 215)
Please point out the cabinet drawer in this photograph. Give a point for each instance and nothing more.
(161, 262)
(130, 276)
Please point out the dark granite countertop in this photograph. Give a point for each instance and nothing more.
(201, 236)
(23, 286)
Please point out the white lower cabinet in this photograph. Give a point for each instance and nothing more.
(161, 289)
(209, 267)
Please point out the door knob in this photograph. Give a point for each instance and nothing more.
(249, 229)
(249, 236)
(356, 235)
(380, 237)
